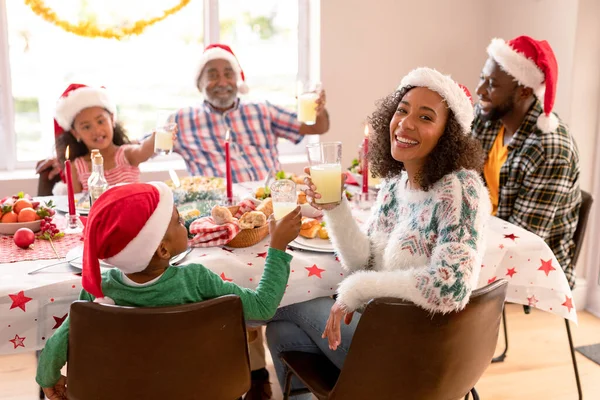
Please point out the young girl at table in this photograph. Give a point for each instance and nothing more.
(424, 240)
(137, 229)
(85, 119)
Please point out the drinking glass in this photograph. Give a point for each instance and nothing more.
(308, 93)
(285, 199)
(163, 139)
(325, 160)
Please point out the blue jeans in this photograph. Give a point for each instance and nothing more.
(298, 327)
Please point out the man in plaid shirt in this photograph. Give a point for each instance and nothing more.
(254, 127)
(532, 168)
(254, 131)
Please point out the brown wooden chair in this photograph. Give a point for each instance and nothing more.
(192, 351)
(401, 351)
(45, 184)
(578, 237)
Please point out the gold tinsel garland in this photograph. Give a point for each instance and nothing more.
(89, 29)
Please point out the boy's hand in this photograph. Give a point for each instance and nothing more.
(58, 391)
(286, 229)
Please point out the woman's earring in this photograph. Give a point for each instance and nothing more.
(78, 140)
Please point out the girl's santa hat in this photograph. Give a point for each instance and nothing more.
(76, 98)
(456, 95)
(218, 51)
(124, 228)
(533, 64)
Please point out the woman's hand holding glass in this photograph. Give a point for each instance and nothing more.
(312, 194)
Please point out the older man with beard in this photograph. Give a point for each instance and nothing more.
(255, 127)
(532, 168)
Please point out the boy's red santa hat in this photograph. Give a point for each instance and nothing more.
(76, 98)
(124, 228)
(456, 95)
(533, 64)
(219, 51)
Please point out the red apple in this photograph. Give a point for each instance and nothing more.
(24, 238)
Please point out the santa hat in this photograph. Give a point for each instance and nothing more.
(124, 228)
(223, 52)
(533, 64)
(76, 98)
(456, 96)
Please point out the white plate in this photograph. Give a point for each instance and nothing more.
(62, 205)
(315, 244)
(75, 259)
(358, 179)
(310, 212)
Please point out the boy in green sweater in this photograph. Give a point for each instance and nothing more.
(137, 229)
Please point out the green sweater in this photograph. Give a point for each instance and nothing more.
(177, 285)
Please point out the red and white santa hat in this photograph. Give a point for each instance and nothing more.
(76, 98)
(533, 64)
(124, 228)
(456, 95)
(219, 51)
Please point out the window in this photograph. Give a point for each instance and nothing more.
(147, 74)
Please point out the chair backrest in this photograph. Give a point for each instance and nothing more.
(192, 351)
(579, 235)
(400, 350)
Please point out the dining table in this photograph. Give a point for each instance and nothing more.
(34, 304)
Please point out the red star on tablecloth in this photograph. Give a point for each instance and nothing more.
(263, 255)
(532, 300)
(546, 266)
(229, 250)
(337, 259)
(59, 321)
(511, 237)
(501, 246)
(18, 341)
(314, 270)
(492, 279)
(568, 303)
(19, 300)
(511, 271)
(226, 279)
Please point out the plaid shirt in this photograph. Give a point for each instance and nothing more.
(255, 128)
(539, 183)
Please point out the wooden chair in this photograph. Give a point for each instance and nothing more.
(401, 351)
(192, 351)
(45, 184)
(578, 236)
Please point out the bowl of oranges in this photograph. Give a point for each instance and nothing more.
(21, 211)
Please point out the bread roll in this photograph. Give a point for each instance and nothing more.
(266, 207)
(311, 232)
(221, 215)
(252, 219)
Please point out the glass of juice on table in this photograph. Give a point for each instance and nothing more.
(325, 161)
(308, 93)
(283, 193)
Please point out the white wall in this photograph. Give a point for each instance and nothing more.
(368, 46)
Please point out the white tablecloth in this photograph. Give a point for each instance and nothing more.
(33, 306)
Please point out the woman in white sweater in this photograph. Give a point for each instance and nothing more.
(424, 240)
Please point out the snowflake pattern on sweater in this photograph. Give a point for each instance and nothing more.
(425, 247)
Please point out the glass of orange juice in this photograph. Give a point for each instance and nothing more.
(308, 93)
(325, 161)
(283, 193)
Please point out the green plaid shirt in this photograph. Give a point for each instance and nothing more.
(539, 183)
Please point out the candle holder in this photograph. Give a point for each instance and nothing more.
(364, 201)
(74, 224)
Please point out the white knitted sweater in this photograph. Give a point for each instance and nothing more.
(425, 247)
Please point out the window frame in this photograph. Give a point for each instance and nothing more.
(308, 11)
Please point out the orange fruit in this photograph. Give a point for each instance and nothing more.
(27, 215)
(9, 217)
(21, 204)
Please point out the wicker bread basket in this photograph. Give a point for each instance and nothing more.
(247, 237)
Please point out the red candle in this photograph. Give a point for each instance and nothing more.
(365, 162)
(68, 177)
(228, 168)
